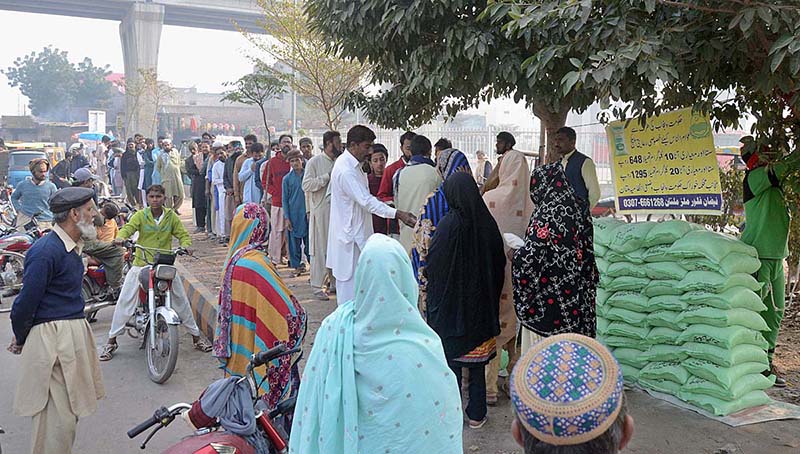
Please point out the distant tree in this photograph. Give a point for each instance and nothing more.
(319, 73)
(146, 94)
(53, 84)
(256, 89)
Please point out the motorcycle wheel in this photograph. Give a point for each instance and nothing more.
(86, 293)
(161, 357)
(12, 262)
(8, 217)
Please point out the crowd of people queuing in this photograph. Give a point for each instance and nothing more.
(425, 308)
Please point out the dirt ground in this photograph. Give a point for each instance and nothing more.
(787, 357)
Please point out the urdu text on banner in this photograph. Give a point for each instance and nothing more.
(667, 166)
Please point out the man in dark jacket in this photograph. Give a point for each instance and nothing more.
(130, 173)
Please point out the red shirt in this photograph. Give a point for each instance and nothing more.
(386, 192)
(278, 168)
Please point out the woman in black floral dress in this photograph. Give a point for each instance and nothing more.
(554, 273)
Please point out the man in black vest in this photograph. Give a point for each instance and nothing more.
(579, 168)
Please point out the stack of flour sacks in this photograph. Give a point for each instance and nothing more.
(679, 308)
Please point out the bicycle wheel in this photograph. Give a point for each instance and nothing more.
(12, 266)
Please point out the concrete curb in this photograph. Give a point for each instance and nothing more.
(205, 304)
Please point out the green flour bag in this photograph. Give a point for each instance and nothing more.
(744, 385)
(723, 317)
(604, 228)
(667, 232)
(633, 301)
(629, 237)
(711, 245)
(660, 385)
(665, 370)
(619, 269)
(720, 407)
(629, 356)
(662, 335)
(727, 337)
(663, 352)
(736, 297)
(726, 357)
(662, 287)
(710, 281)
(667, 303)
(723, 376)
(664, 270)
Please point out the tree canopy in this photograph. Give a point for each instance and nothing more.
(559, 55)
(318, 73)
(53, 84)
(255, 89)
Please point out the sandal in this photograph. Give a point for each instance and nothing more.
(108, 352)
(201, 344)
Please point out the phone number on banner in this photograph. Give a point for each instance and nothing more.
(671, 202)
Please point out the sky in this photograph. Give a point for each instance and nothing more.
(222, 53)
(188, 57)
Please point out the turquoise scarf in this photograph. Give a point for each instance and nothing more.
(377, 380)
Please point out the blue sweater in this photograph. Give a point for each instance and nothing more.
(30, 198)
(51, 287)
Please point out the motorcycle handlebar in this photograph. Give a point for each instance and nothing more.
(261, 358)
(150, 422)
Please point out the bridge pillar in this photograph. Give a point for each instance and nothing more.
(140, 32)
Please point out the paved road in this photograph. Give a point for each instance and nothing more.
(660, 427)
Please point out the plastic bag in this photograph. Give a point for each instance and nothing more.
(633, 301)
(720, 407)
(662, 287)
(723, 317)
(712, 282)
(662, 335)
(667, 303)
(619, 269)
(663, 352)
(663, 270)
(744, 385)
(727, 337)
(711, 245)
(627, 283)
(736, 297)
(629, 237)
(665, 370)
(667, 232)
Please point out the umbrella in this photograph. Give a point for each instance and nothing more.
(96, 136)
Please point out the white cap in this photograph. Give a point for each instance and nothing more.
(75, 146)
(169, 141)
(218, 144)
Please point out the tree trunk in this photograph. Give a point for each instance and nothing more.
(551, 122)
(266, 127)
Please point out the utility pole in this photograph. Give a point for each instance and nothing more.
(294, 98)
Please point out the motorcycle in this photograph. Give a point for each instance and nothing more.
(13, 240)
(94, 288)
(274, 425)
(155, 322)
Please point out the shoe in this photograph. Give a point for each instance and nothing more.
(491, 400)
(477, 424)
(779, 381)
(199, 230)
(322, 295)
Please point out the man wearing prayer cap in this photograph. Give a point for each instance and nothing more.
(60, 379)
(567, 396)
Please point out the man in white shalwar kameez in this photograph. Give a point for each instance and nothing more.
(351, 208)
(217, 182)
(316, 182)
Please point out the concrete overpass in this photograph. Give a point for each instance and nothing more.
(140, 30)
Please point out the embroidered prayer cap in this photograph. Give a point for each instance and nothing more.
(567, 389)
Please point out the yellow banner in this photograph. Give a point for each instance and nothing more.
(667, 166)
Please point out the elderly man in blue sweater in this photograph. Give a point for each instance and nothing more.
(60, 379)
(31, 196)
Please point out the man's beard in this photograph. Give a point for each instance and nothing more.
(87, 229)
